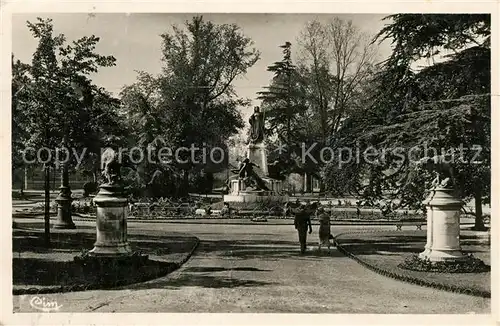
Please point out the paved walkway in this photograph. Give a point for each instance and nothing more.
(257, 268)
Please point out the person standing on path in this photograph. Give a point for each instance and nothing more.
(324, 229)
(302, 221)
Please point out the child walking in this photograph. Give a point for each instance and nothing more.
(324, 229)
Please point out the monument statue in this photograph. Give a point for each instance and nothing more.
(250, 178)
(111, 171)
(277, 170)
(256, 127)
(113, 163)
(442, 169)
(253, 182)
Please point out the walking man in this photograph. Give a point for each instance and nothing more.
(302, 221)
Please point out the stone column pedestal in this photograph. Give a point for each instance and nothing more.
(428, 245)
(443, 227)
(111, 222)
(257, 154)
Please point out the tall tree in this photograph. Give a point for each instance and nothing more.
(445, 105)
(283, 100)
(335, 59)
(193, 101)
(20, 80)
(201, 63)
(51, 107)
(102, 127)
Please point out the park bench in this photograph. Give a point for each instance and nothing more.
(416, 222)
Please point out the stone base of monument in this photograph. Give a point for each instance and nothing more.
(252, 197)
(443, 253)
(132, 259)
(443, 227)
(111, 223)
(238, 193)
(111, 253)
(256, 153)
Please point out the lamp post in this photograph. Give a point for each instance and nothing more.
(64, 220)
(64, 199)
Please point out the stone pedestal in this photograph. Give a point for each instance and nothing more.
(256, 153)
(64, 220)
(443, 227)
(238, 193)
(111, 223)
(428, 245)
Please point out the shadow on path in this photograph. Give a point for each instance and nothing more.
(32, 241)
(262, 249)
(208, 269)
(385, 244)
(210, 276)
(198, 280)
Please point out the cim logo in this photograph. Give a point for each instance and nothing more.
(43, 304)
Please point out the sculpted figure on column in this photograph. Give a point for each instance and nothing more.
(440, 166)
(256, 127)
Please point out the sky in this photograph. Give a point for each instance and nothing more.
(134, 40)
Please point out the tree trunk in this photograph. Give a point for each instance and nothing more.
(478, 223)
(54, 180)
(26, 178)
(306, 183)
(96, 169)
(47, 207)
(23, 181)
(185, 182)
(321, 185)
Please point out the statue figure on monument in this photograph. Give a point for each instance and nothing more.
(277, 170)
(249, 176)
(256, 127)
(113, 162)
(111, 171)
(442, 169)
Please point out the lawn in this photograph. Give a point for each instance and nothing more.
(384, 251)
(38, 269)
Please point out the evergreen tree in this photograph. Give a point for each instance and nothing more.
(283, 101)
(444, 106)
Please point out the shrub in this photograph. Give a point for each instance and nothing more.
(84, 206)
(89, 188)
(468, 265)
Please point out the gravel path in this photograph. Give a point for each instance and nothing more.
(257, 268)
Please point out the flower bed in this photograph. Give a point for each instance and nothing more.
(468, 265)
(80, 205)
